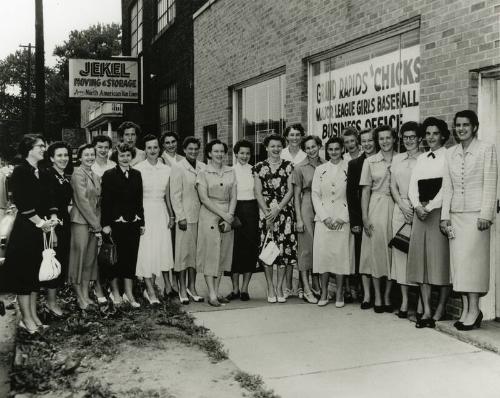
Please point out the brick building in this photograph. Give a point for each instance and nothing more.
(160, 32)
(259, 65)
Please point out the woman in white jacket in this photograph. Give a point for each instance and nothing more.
(333, 248)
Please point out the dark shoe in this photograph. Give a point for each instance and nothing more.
(53, 313)
(183, 300)
(419, 315)
(388, 308)
(458, 325)
(379, 309)
(476, 324)
(244, 296)
(222, 300)
(425, 323)
(366, 305)
(233, 296)
(402, 314)
(2, 308)
(348, 298)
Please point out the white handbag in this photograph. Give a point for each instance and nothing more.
(270, 250)
(50, 268)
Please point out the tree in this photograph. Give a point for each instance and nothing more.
(98, 41)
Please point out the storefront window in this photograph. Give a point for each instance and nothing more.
(136, 29)
(260, 110)
(166, 13)
(168, 109)
(370, 86)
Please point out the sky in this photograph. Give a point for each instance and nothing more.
(60, 17)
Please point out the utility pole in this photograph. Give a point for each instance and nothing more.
(29, 121)
(39, 68)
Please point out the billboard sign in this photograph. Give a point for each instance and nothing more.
(115, 79)
(381, 90)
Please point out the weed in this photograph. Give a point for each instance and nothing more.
(254, 384)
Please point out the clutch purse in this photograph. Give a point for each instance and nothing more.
(107, 256)
(401, 241)
(270, 250)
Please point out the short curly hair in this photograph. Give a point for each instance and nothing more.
(274, 137)
(411, 126)
(440, 124)
(27, 143)
(211, 144)
(83, 147)
(168, 134)
(384, 127)
(51, 150)
(315, 138)
(242, 144)
(295, 126)
(120, 148)
(191, 140)
(128, 125)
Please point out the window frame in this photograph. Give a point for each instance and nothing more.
(168, 100)
(170, 11)
(137, 14)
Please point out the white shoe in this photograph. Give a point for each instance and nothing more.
(116, 301)
(134, 303)
(322, 303)
(339, 304)
(287, 293)
(281, 299)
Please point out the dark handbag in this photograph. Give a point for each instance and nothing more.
(401, 240)
(107, 256)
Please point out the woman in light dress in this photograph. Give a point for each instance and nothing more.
(155, 255)
(333, 248)
(401, 168)
(377, 207)
(303, 174)
(469, 196)
(216, 186)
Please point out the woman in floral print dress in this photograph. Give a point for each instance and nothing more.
(274, 192)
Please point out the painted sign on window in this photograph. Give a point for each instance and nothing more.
(380, 90)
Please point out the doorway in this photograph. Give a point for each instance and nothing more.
(489, 130)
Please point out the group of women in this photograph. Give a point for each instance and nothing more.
(172, 217)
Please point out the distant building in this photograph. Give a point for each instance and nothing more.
(160, 33)
(100, 118)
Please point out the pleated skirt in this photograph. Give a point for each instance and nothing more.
(470, 254)
(429, 253)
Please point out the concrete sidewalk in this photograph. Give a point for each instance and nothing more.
(302, 350)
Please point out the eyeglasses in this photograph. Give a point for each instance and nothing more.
(411, 138)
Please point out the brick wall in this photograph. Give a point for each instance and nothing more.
(238, 40)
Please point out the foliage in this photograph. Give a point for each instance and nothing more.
(51, 360)
(98, 41)
(254, 384)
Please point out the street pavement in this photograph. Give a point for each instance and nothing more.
(302, 350)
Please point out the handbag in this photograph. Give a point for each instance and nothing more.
(401, 241)
(50, 268)
(270, 250)
(107, 256)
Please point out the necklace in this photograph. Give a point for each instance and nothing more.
(274, 163)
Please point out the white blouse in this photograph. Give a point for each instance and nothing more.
(300, 156)
(428, 167)
(244, 181)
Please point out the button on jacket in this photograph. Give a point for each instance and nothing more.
(470, 180)
(86, 198)
(183, 194)
(122, 196)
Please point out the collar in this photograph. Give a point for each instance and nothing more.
(313, 163)
(415, 156)
(438, 153)
(211, 169)
(378, 157)
(472, 149)
(124, 170)
(187, 165)
(243, 167)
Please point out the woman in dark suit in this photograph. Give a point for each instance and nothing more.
(58, 154)
(85, 226)
(34, 201)
(123, 216)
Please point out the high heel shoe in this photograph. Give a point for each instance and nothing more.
(116, 301)
(132, 302)
(22, 325)
(309, 298)
(195, 298)
(53, 313)
(458, 325)
(183, 300)
(476, 324)
(425, 323)
(145, 294)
